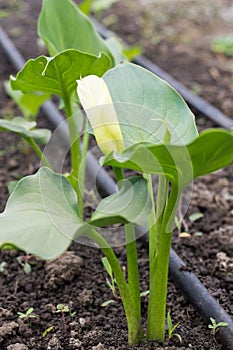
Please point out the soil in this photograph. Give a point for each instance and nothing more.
(77, 278)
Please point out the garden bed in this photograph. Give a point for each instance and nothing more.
(81, 284)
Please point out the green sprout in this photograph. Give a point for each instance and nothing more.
(61, 308)
(214, 326)
(172, 328)
(23, 261)
(111, 284)
(28, 315)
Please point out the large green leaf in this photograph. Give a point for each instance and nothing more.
(28, 103)
(41, 215)
(210, 151)
(25, 129)
(58, 75)
(131, 204)
(63, 26)
(148, 108)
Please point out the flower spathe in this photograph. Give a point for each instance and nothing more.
(97, 102)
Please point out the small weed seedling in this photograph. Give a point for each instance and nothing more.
(214, 326)
(112, 283)
(172, 328)
(61, 308)
(3, 269)
(23, 261)
(28, 315)
(223, 45)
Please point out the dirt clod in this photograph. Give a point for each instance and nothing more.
(62, 270)
(17, 346)
(100, 346)
(8, 329)
(85, 297)
(54, 344)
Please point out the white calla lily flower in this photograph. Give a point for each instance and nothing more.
(97, 102)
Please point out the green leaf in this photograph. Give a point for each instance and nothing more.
(25, 129)
(120, 52)
(223, 45)
(63, 26)
(155, 159)
(210, 151)
(195, 216)
(4, 13)
(41, 215)
(85, 6)
(29, 311)
(148, 107)
(28, 103)
(58, 75)
(116, 48)
(48, 330)
(107, 302)
(169, 323)
(132, 52)
(131, 204)
(222, 324)
(107, 266)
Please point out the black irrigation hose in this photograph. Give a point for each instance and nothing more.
(194, 290)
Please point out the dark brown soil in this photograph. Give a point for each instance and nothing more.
(77, 279)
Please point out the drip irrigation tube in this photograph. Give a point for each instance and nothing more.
(194, 290)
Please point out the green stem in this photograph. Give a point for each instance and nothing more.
(82, 170)
(119, 174)
(132, 258)
(151, 223)
(74, 150)
(38, 152)
(159, 261)
(132, 268)
(135, 331)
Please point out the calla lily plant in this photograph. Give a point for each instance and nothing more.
(177, 155)
(140, 123)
